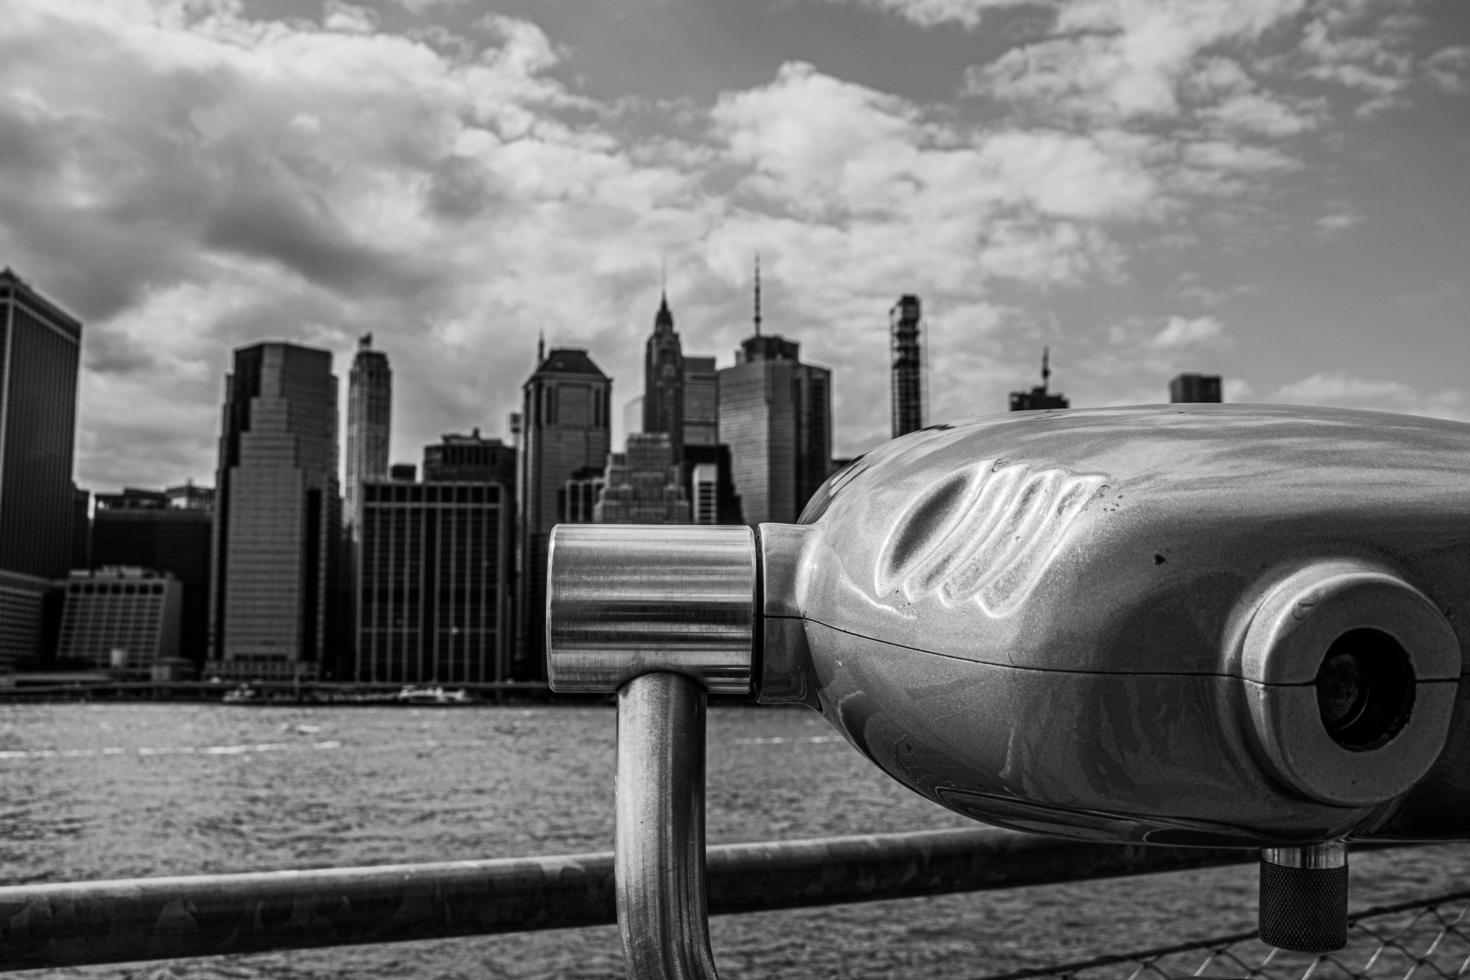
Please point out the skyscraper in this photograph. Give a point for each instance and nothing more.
(642, 485)
(40, 350)
(776, 416)
(277, 526)
(369, 417)
(566, 430)
(1195, 388)
(663, 379)
(433, 580)
(908, 374)
(701, 402)
(1039, 398)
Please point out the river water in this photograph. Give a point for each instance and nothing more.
(123, 790)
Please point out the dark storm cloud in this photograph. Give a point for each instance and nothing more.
(265, 212)
(108, 352)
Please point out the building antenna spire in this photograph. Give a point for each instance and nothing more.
(1045, 367)
(757, 294)
(663, 277)
(540, 347)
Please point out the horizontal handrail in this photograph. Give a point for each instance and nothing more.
(71, 924)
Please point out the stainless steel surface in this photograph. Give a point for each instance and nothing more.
(1315, 857)
(1040, 619)
(627, 599)
(662, 911)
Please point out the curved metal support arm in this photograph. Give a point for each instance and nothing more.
(659, 863)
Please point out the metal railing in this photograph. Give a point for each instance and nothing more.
(1419, 939)
(56, 925)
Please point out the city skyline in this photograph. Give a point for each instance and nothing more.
(1269, 191)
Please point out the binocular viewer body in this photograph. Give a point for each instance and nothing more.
(1190, 625)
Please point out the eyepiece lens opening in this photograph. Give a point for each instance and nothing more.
(1365, 689)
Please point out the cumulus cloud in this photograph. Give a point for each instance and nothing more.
(1116, 61)
(1449, 69)
(939, 13)
(189, 179)
(1340, 390)
(1182, 332)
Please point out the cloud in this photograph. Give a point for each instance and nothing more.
(1116, 62)
(939, 13)
(1449, 69)
(1183, 332)
(190, 179)
(350, 18)
(1335, 222)
(1341, 390)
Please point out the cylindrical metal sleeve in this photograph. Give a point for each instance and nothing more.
(629, 599)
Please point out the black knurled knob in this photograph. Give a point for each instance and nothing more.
(1303, 909)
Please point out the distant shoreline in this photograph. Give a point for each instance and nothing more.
(283, 693)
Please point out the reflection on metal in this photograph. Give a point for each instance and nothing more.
(985, 532)
(626, 599)
(60, 925)
(1200, 624)
(662, 912)
(1304, 897)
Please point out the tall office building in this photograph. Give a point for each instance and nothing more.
(165, 531)
(1039, 398)
(776, 416)
(369, 417)
(40, 355)
(663, 379)
(566, 433)
(433, 602)
(471, 458)
(701, 402)
(908, 365)
(277, 526)
(642, 484)
(1195, 388)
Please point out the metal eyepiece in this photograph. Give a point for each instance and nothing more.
(628, 599)
(1349, 673)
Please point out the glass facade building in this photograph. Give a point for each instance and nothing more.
(433, 570)
(277, 527)
(40, 351)
(701, 402)
(776, 416)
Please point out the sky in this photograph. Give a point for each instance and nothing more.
(1270, 190)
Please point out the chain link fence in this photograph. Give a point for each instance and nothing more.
(1421, 939)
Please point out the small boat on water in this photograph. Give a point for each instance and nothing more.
(432, 696)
